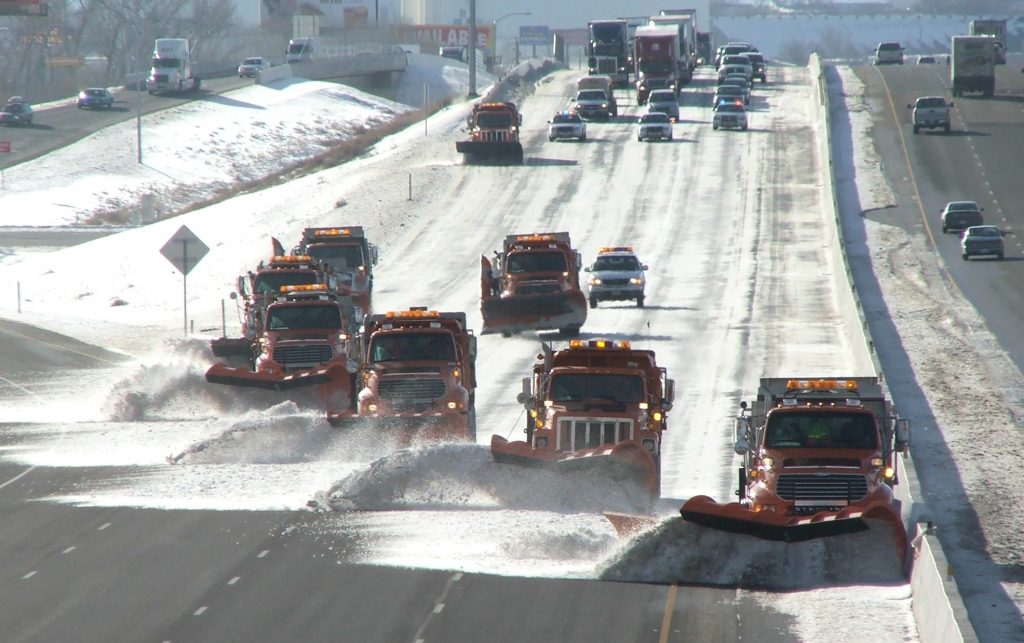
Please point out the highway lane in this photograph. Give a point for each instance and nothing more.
(60, 125)
(730, 223)
(979, 160)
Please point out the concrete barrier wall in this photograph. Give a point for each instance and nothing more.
(939, 611)
(362, 64)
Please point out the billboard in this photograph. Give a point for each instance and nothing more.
(23, 8)
(443, 35)
(534, 36)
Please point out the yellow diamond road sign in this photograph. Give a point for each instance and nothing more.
(184, 250)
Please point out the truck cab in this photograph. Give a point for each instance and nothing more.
(172, 67)
(350, 257)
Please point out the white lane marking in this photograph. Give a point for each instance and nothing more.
(199, 612)
(263, 553)
(29, 575)
(234, 580)
(438, 606)
(69, 550)
(17, 477)
(103, 526)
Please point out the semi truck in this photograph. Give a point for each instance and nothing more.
(533, 283)
(996, 29)
(172, 67)
(973, 65)
(656, 55)
(608, 50)
(597, 403)
(683, 20)
(819, 459)
(417, 378)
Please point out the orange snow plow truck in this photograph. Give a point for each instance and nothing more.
(304, 343)
(257, 289)
(351, 258)
(594, 404)
(532, 284)
(819, 459)
(418, 375)
(493, 133)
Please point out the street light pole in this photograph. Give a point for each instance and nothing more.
(472, 49)
(495, 22)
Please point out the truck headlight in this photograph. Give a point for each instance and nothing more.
(373, 408)
(650, 445)
(452, 405)
(635, 281)
(594, 281)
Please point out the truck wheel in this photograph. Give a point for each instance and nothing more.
(916, 129)
(714, 126)
(640, 301)
(999, 256)
(551, 138)
(944, 229)
(593, 303)
(965, 256)
(947, 128)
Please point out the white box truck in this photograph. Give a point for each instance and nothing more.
(172, 67)
(973, 65)
(301, 50)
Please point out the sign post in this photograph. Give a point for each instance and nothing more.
(5, 148)
(184, 250)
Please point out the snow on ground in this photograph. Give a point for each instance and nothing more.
(964, 446)
(133, 307)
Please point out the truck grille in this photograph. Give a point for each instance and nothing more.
(615, 282)
(582, 433)
(537, 289)
(496, 136)
(411, 391)
(296, 357)
(160, 78)
(821, 489)
(607, 65)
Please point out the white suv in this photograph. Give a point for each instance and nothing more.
(889, 53)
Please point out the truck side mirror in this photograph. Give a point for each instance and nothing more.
(525, 396)
(644, 266)
(902, 435)
(232, 295)
(587, 269)
(670, 394)
(240, 286)
(740, 445)
(472, 345)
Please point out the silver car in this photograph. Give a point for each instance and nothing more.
(664, 100)
(251, 67)
(654, 125)
(567, 125)
(982, 240)
(616, 275)
(729, 115)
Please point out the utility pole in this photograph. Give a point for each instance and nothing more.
(472, 49)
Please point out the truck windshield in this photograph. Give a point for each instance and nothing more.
(656, 67)
(536, 262)
(268, 283)
(412, 346)
(606, 33)
(299, 317)
(494, 120)
(577, 387)
(343, 258)
(821, 430)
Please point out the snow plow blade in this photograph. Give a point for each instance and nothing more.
(622, 461)
(768, 525)
(223, 374)
(533, 312)
(492, 151)
(231, 347)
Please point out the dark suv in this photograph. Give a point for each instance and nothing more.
(758, 63)
(960, 215)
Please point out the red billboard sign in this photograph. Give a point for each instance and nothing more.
(444, 35)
